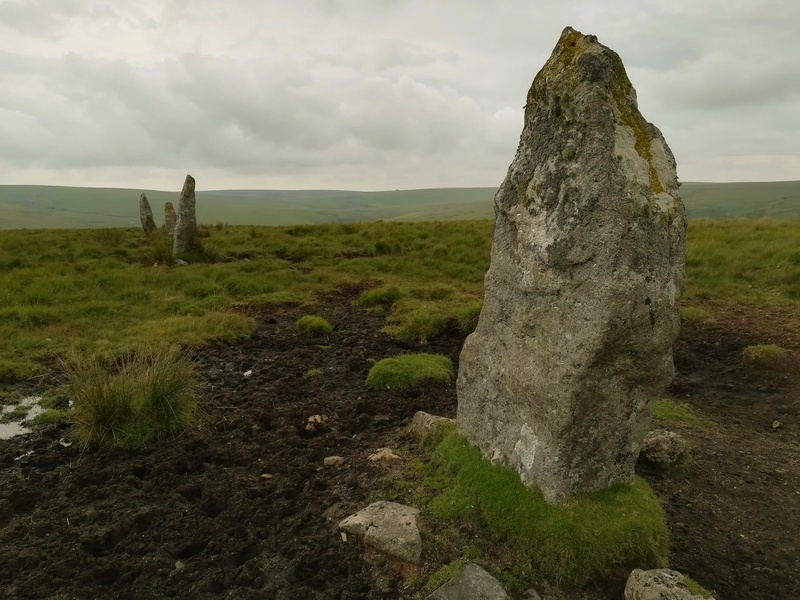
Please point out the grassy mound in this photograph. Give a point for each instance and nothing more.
(409, 370)
(767, 356)
(313, 325)
(383, 297)
(571, 544)
(147, 395)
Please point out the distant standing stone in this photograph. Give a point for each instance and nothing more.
(146, 215)
(170, 218)
(574, 342)
(186, 224)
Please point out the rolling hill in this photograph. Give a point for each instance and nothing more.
(50, 207)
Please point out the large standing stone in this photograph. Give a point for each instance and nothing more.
(186, 224)
(170, 218)
(146, 215)
(581, 304)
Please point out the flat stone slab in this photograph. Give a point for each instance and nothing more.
(474, 583)
(389, 528)
(658, 584)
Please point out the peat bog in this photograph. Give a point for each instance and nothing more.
(196, 516)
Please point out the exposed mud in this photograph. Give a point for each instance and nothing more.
(243, 506)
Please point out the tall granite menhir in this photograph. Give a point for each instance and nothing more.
(186, 224)
(574, 342)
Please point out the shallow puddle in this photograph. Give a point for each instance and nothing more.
(15, 428)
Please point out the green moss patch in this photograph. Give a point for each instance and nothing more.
(585, 539)
(313, 325)
(50, 417)
(409, 370)
(672, 410)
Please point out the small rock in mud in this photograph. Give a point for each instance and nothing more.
(266, 476)
(383, 454)
(316, 423)
(333, 461)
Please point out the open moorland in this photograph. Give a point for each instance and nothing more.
(39, 206)
(241, 505)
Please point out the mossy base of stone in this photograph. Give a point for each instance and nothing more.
(589, 538)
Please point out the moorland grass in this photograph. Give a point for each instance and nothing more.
(102, 292)
(696, 314)
(765, 356)
(313, 325)
(406, 371)
(584, 539)
(134, 400)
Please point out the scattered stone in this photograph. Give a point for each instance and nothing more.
(146, 215)
(532, 594)
(186, 223)
(658, 584)
(266, 476)
(170, 218)
(574, 342)
(664, 448)
(247, 373)
(333, 461)
(383, 454)
(316, 423)
(423, 423)
(389, 528)
(180, 262)
(474, 583)
(777, 425)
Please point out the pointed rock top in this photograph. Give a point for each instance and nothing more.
(188, 185)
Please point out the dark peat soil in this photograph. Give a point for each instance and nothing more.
(243, 506)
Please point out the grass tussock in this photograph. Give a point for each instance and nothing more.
(585, 539)
(383, 297)
(409, 371)
(313, 325)
(696, 315)
(765, 356)
(144, 396)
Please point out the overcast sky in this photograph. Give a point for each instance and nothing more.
(371, 94)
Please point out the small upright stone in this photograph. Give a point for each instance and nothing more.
(186, 224)
(170, 218)
(146, 215)
(574, 342)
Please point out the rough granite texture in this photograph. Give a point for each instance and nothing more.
(186, 224)
(474, 583)
(574, 342)
(146, 215)
(170, 218)
(659, 584)
(389, 528)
